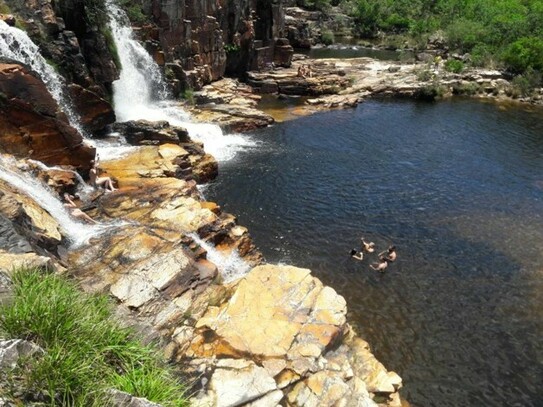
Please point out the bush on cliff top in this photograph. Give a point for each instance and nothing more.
(86, 353)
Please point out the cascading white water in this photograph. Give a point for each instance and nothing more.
(16, 44)
(76, 232)
(231, 267)
(140, 80)
(140, 92)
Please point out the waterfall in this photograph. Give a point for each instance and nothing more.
(140, 81)
(15, 44)
(76, 232)
(140, 92)
(231, 267)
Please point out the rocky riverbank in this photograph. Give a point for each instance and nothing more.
(344, 83)
(181, 270)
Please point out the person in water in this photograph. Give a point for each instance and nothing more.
(389, 254)
(355, 254)
(367, 246)
(381, 266)
(97, 181)
(74, 211)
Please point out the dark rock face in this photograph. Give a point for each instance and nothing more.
(143, 132)
(80, 52)
(203, 40)
(95, 112)
(31, 124)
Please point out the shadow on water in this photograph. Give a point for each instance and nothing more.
(456, 186)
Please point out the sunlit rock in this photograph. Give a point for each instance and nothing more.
(237, 382)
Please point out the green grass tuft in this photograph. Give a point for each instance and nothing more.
(86, 353)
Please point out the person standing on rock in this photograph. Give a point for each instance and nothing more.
(97, 181)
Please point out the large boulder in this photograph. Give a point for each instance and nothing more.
(31, 124)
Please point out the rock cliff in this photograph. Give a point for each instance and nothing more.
(203, 40)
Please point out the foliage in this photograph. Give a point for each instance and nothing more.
(432, 91)
(327, 37)
(525, 53)
(96, 13)
(86, 353)
(469, 89)
(321, 5)
(506, 32)
(464, 34)
(231, 48)
(424, 75)
(454, 65)
(523, 85)
(134, 11)
(188, 95)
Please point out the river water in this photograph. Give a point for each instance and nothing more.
(457, 186)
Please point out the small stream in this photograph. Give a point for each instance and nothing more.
(458, 187)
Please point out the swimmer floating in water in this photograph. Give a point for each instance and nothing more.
(367, 246)
(381, 266)
(356, 254)
(389, 254)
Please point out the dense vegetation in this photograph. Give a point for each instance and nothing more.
(504, 33)
(86, 353)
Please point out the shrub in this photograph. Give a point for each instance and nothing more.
(469, 89)
(454, 65)
(396, 23)
(524, 54)
(327, 37)
(133, 11)
(483, 55)
(431, 92)
(524, 85)
(188, 95)
(465, 34)
(424, 75)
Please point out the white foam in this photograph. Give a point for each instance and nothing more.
(232, 267)
(76, 232)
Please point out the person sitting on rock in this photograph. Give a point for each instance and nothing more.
(309, 72)
(96, 181)
(389, 254)
(74, 211)
(367, 246)
(381, 266)
(301, 71)
(356, 254)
